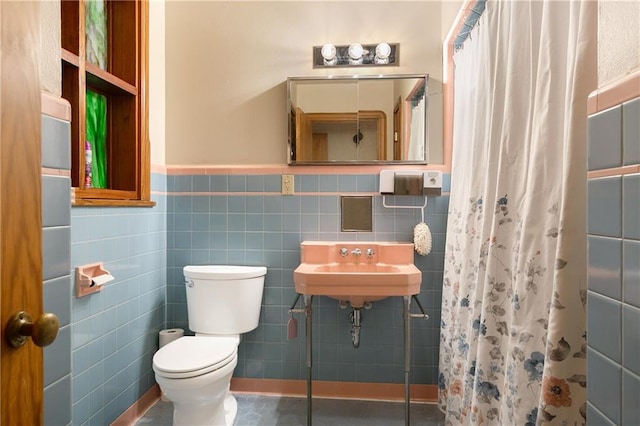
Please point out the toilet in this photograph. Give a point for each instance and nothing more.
(194, 372)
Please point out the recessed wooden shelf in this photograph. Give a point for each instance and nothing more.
(122, 48)
(69, 58)
(100, 79)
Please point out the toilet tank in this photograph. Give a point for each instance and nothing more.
(223, 299)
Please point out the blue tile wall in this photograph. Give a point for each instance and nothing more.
(56, 290)
(630, 392)
(244, 220)
(631, 272)
(604, 209)
(631, 132)
(604, 272)
(613, 309)
(605, 334)
(596, 418)
(607, 379)
(56, 143)
(605, 139)
(631, 206)
(631, 338)
(115, 332)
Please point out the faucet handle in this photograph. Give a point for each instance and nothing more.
(344, 252)
(356, 252)
(370, 252)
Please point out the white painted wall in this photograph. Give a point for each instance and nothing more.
(227, 63)
(157, 83)
(217, 69)
(618, 39)
(50, 42)
(450, 9)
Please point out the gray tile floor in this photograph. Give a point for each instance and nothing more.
(260, 410)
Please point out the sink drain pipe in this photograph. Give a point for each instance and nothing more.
(355, 318)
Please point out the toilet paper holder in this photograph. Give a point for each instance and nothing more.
(90, 278)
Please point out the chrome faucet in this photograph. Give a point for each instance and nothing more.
(356, 252)
(344, 252)
(370, 252)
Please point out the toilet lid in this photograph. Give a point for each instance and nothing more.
(223, 272)
(192, 356)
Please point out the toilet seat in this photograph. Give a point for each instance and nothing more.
(192, 356)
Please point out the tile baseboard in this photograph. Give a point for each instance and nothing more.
(345, 390)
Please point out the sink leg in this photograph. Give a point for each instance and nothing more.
(308, 311)
(407, 357)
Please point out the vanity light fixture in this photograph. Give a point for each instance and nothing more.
(356, 54)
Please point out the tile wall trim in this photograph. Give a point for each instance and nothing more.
(137, 410)
(55, 172)
(274, 193)
(615, 171)
(614, 93)
(158, 168)
(55, 106)
(275, 169)
(338, 390)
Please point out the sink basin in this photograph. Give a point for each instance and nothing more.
(382, 269)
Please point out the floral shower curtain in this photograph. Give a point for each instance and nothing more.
(513, 343)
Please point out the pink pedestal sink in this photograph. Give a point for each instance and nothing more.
(335, 269)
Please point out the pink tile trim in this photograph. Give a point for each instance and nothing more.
(55, 106)
(347, 390)
(615, 93)
(138, 408)
(189, 194)
(616, 171)
(261, 169)
(275, 193)
(159, 168)
(55, 172)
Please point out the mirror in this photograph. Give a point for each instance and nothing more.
(358, 119)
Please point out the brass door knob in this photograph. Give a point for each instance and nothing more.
(20, 326)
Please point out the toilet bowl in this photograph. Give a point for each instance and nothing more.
(194, 372)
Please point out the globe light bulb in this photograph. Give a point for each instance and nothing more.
(383, 50)
(328, 51)
(355, 51)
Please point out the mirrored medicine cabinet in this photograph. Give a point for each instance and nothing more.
(358, 119)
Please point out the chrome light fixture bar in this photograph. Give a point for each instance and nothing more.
(356, 54)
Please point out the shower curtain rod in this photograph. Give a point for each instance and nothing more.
(469, 23)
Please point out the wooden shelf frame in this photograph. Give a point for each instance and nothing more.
(124, 84)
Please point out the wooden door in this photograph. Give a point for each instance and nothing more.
(20, 214)
(319, 147)
(397, 131)
(303, 136)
